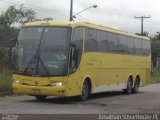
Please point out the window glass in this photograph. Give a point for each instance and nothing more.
(138, 46)
(54, 50)
(102, 43)
(90, 40)
(76, 48)
(44, 50)
(131, 45)
(146, 47)
(78, 37)
(113, 42)
(123, 44)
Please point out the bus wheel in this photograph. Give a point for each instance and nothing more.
(128, 89)
(40, 97)
(136, 85)
(85, 91)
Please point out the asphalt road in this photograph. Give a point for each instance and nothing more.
(146, 101)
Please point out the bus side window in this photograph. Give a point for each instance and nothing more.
(113, 42)
(138, 47)
(146, 47)
(90, 40)
(77, 48)
(102, 43)
(131, 45)
(123, 44)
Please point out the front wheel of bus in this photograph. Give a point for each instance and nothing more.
(85, 91)
(40, 98)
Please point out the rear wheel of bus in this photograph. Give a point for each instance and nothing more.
(136, 85)
(128, 89)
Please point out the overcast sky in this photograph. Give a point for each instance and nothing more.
(115, 13)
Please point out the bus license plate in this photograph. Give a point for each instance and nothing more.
(36, 90)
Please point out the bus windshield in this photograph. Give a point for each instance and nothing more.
(42, 51)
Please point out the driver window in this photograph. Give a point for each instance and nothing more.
(77, 48)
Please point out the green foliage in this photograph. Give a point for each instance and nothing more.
(9, 19)
(44, 19)
(144, 34)
(156, 36)
(13, 16)
(155, 47)
(5, 78)
(48, 19)
(155, 78)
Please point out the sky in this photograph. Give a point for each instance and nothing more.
(115, 13)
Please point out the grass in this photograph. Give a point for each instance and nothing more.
(155, 78)
(5, 79)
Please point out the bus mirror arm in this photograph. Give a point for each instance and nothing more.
(12, 44)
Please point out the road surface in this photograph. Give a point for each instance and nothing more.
(146, 101)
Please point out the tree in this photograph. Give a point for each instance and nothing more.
(144, 34)
(9, 20)
(48, 19)
(155, 47)
(13, 16)
(45, 19)
(156, 36)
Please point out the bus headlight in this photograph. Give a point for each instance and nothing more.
(56, 83)
(18, 82)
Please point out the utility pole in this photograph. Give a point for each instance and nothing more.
(71, 11)
(142, 18)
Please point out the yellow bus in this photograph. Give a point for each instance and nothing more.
(78, 59)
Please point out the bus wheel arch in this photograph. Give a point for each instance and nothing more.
(136, 84)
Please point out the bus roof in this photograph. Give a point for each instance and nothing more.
(86, 24)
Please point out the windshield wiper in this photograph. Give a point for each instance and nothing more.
(39, 60)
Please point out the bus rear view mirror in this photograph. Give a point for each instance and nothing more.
(12, 42)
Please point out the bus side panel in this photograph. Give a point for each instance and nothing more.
(87, 69)
(114, 70)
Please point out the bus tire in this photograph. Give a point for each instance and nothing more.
(40, 97)
(85, 91)
(128, 89)
(136, 85)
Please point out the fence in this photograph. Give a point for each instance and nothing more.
(5, 92)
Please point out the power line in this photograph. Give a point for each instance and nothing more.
(142, 18)
(58, 12)
(35, 8)
(53, 10)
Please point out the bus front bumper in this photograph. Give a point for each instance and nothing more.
(39, 90)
